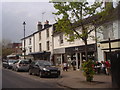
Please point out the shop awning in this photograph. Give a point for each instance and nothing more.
(36, 53)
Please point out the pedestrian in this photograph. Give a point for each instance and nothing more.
(108, 65)
(65, 66)
(73, 64)
(103, 67)
(97, 67)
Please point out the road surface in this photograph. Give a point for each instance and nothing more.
(11, 79)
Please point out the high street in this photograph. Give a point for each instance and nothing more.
(11, 79)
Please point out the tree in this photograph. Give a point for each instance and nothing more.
(74, 15)
(6, 50)
(84, 15)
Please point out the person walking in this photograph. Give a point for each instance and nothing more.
(107, 63)
(103, 67)
(97, 67)
(73, 64)
(65, 66)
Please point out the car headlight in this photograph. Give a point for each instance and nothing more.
(46, 69)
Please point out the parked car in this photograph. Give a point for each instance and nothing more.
(43, 68)
(8, 63)
(4, 63)
(21, 65)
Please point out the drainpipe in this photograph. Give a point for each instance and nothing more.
(51, 56)
(61, 61)
(80, 60)
(77, 61)
(34, 44)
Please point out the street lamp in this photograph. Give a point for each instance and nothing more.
(24, 38)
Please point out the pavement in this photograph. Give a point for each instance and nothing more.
(75, 79)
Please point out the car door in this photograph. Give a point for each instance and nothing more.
(31, 67)
(36, 68)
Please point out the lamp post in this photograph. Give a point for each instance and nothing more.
(24, 38)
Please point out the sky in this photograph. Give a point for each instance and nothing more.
(15, 13)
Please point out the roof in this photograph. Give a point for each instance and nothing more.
(36, 32)
(34, 53)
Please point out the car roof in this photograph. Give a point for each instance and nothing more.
(41, 61)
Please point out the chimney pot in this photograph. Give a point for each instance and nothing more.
(46, 25)
(39, 25)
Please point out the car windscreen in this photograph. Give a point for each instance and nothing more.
(12, 61)
(44, 63)
(24, 62)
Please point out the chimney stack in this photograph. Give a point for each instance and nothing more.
(39, 26)
(46, 25)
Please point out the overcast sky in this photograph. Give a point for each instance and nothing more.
(14, 13)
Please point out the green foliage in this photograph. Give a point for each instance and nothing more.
(6, 51)
(72, 16)
(88, 71)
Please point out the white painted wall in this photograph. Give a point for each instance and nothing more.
(43, 40)
(76, 42)
(116, 29)
(107, 30)
(27, 45)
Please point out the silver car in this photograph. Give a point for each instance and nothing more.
(10, 63)
(21, 65)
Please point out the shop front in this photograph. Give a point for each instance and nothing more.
(106, 46)
(59, 56)
(41, 55)
(71, 54)
(77, 54)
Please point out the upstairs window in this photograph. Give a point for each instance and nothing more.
(30, 41)
(61, 38)
(30, 50)
(48, 48)
(40, 47)
(47, 33)
(39, 35)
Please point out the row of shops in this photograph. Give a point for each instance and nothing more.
(67, 54)
(77, 53)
